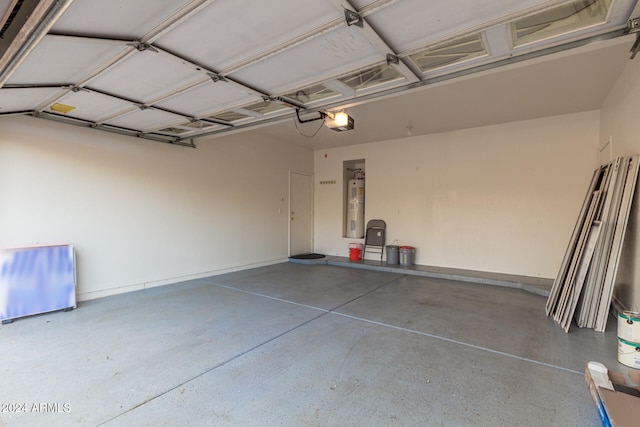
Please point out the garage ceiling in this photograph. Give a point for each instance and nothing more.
(176, 70)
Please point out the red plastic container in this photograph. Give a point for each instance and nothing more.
(355, 251)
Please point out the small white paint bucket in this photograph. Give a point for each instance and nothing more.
(629, 353)
(629, 326)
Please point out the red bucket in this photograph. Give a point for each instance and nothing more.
(355, 251)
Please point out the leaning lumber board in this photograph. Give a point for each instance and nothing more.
(585, 297)
(576, 258)
(610, 217)
(581, 275)
(557, 284)
(618, 240)
(593, 279)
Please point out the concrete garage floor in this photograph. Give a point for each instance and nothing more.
(302, 345)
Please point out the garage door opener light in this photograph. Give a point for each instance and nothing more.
(338, 121)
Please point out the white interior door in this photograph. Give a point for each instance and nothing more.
(300, 213)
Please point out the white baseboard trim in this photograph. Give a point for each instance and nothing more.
(124, 288)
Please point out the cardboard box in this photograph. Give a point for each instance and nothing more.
(616, 396)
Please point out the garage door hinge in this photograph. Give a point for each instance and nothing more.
(216, 77)
(143, 46)
(353, 18)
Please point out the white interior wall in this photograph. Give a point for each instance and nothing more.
(620, 124)
(142, 213)
(500, 198)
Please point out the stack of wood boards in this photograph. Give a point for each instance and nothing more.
(584, 285)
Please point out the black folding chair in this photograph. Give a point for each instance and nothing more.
(374, 237)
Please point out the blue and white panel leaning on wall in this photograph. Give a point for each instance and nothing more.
(36, 279)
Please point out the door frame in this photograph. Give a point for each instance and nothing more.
(311, 207)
